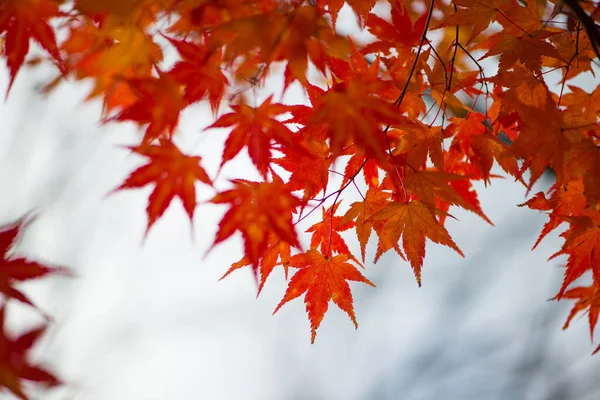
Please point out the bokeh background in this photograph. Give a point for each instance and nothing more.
(147, 319)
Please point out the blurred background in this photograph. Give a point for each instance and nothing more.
(147, 319)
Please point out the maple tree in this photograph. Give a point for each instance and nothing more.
(408, 119)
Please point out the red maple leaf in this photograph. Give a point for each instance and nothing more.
(172, 172)
(256, 210)
(15, 366)
(322, 278)
(23, 20)
(254, 128)
(14, 270)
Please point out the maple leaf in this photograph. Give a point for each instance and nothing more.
(525, 88)
(257, 209)
(326, 233)
(276, 249)
(401, 32)
(418, 141)
(526, 49)
(541, 151)
(23, 20)
(583, 161)
(159, 104)
(354, 116)
(307, 35)
(200, 71)
(322, 278)
(429, 186)
(254, 128)
(362, 211)
(564, 200)
(309, 164)
(477, 14)
(111, 54)
(582, 245)
(442, 92)
(413, 221)
(173, 174)
(14, 360)
(360, 7)
(370, 169)
(588, 300)
(18, 269)
(481, 146)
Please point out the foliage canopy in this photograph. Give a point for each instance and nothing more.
(409, 118)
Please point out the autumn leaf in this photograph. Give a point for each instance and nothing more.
(14, 270)
(418, 141)
(400, 32)
(325, 234)
(360, 7)
(256, 210)
(480, 146)
(525, 49)
(309, 163)
(431, 185)
(361, 162)
(256, 129)
(564, 200)
(111, 54)
(355, 116)
(200, 71)
(582, 246)
(413, 221)
(361, 212)
(476, 14)
(583, 161)
(173, 174)
(277, 252)
(322, 278)
(23, 20)
(15, 364)
(159, 104)
(588, 300)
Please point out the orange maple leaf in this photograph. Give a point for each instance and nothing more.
(257, 209)
(362, 211)
(588, 300)
(564, 200)
(172, 172)
(322, 278)
(111, 53)
(326, 233)
(582, 245)
(476, 14)
(583, 161)
(277, 252)
(526, 49)
(413, 221)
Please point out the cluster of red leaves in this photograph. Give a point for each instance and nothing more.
(15, 364)
(421, 121)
